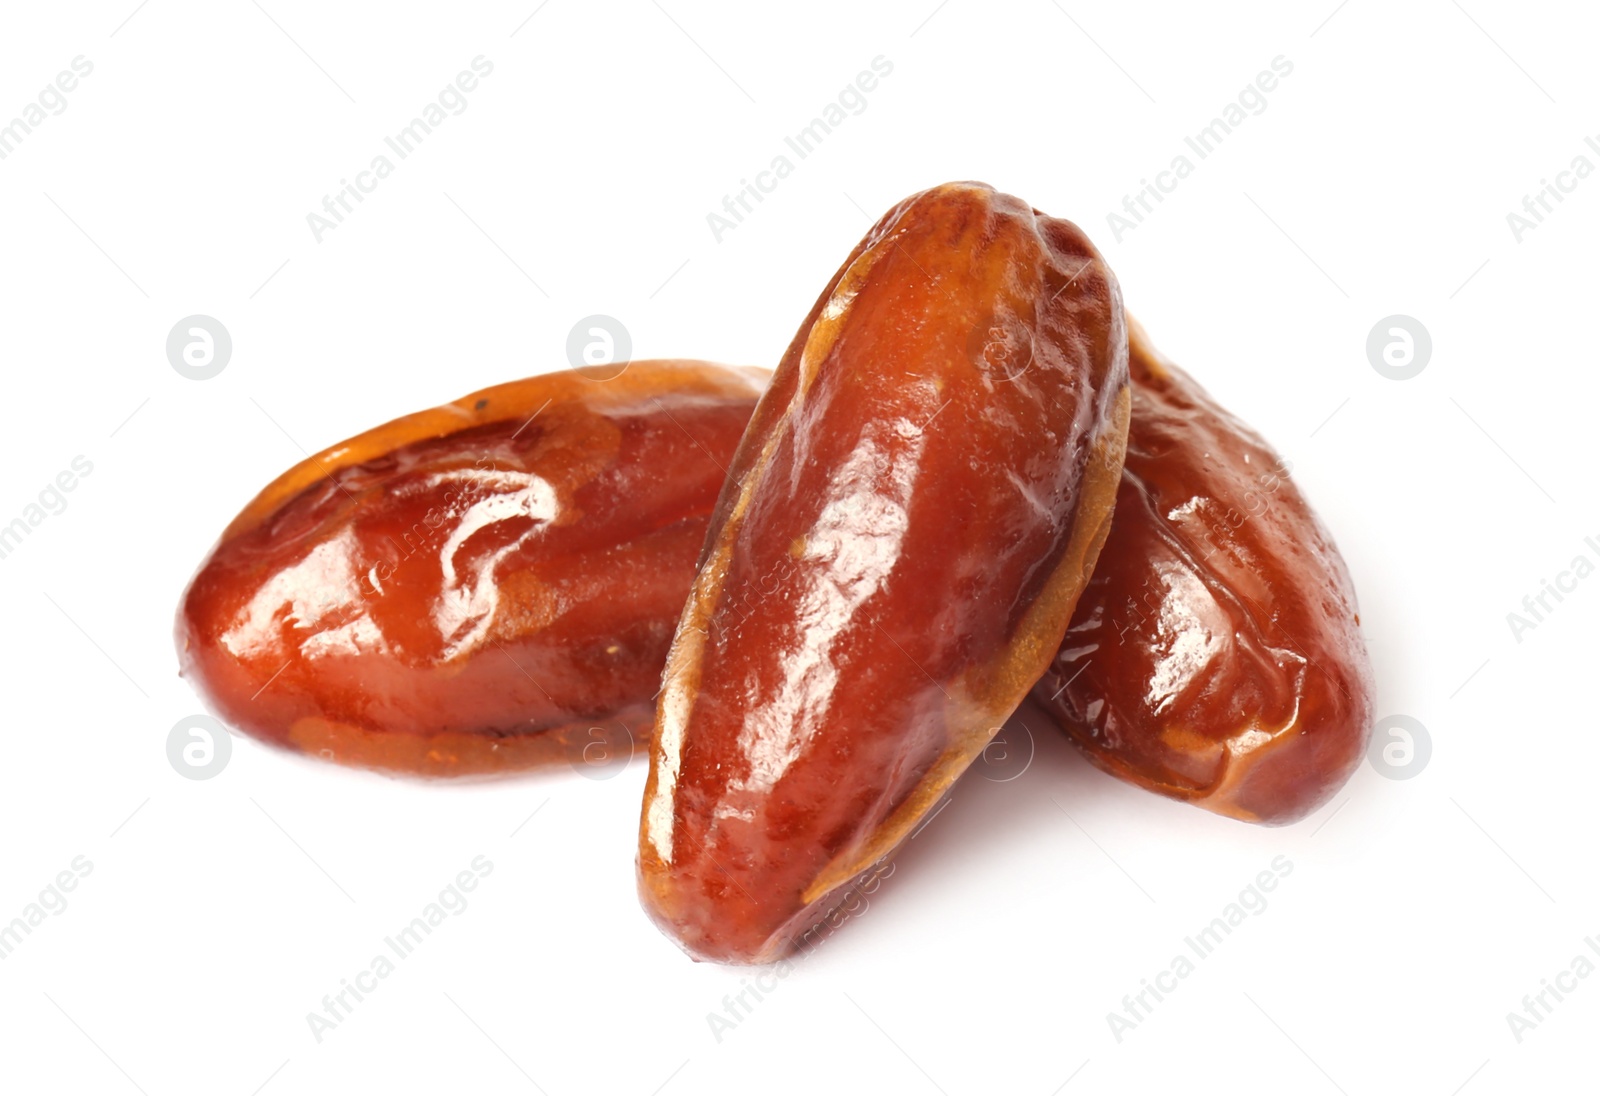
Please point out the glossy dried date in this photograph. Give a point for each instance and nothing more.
(906, 526)
(1216, 655)
(486, 586)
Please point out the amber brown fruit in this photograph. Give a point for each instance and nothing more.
(1216, 656)
(906, 526)
(483, 587)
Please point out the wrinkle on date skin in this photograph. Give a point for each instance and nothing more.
(861, 534)
(858, 538)
(464, 610)
(320, 586)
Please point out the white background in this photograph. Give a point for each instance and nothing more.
(218, 913)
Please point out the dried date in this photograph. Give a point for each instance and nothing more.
(1216, 655)
(483, 587)
(918, 500)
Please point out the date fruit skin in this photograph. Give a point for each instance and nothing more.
(487, 586)
(906, 526)
(1216, 656)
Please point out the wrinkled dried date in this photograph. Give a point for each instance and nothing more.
(1215, 656)
(486, 586)
(893, 560)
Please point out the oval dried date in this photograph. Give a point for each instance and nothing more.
(1216, 655)
(906, 526)
(486, 586)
